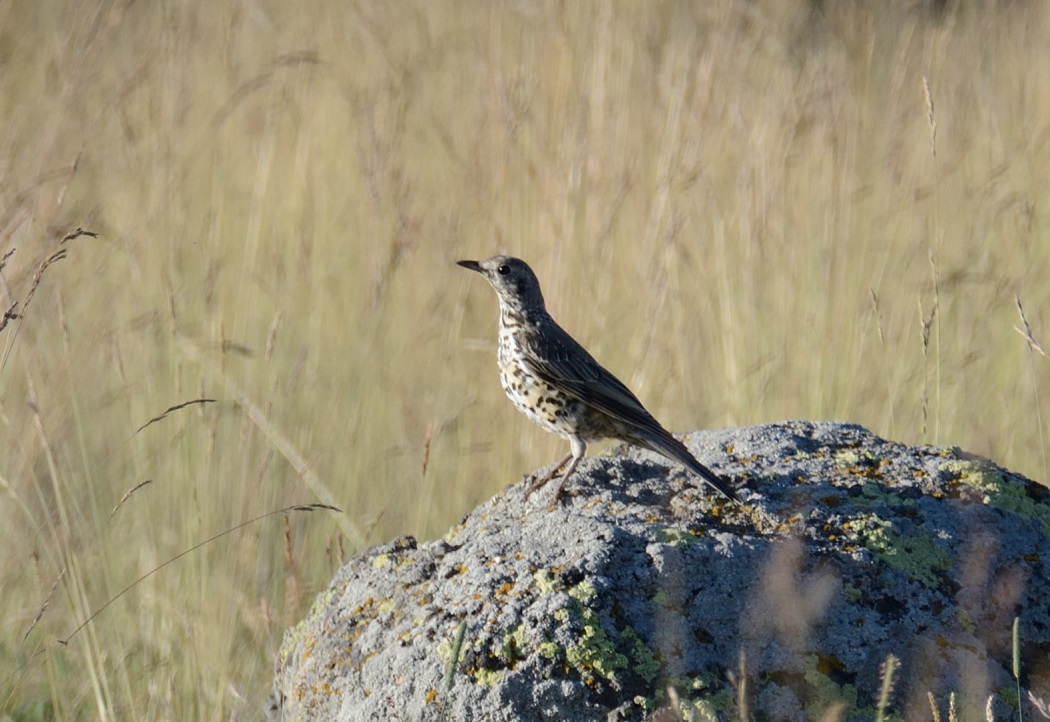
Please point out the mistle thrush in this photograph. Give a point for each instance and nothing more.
(556, 383)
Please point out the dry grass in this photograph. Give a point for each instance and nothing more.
(739, 208)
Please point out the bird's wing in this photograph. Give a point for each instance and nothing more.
(560, 361)
(556, 358)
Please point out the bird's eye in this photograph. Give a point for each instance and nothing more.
(503, 270)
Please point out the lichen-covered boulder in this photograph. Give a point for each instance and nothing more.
(643, 596)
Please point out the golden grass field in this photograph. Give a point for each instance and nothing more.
(749, 211)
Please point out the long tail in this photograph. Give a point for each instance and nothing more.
(675, 450)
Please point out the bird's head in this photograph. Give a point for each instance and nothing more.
(513, 280)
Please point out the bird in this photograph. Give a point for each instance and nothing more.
(554, 381)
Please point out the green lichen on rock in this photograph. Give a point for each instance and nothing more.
(848, 457)
(824, 692)
(598, 653)
(444, 649)
(860, 462)
(851, 593)
(583, 592)
(676, 537)
(976, 476)
(548, 650)
(644, 662)
(696, 710)
(701, 698)
(595, 653)
(869, 531)
(648, 704)
(918, 555)
(487, 677)
(874, 496)
(999, 492)
(546, 582)
(515, 646)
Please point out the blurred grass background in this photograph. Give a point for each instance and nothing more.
(744, 209)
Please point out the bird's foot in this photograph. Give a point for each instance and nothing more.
(536, 484)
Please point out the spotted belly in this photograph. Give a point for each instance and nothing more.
(555, 411)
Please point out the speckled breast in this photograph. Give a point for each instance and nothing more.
(555, 411)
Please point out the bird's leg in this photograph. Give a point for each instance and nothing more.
(579, 448)
(568, 472)
(548, 476)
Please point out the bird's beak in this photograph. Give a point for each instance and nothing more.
(472, 265)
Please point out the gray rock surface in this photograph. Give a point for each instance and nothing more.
(641, 596)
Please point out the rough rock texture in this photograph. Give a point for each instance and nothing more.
(641, 592)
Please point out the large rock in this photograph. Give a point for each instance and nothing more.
(642, 592)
